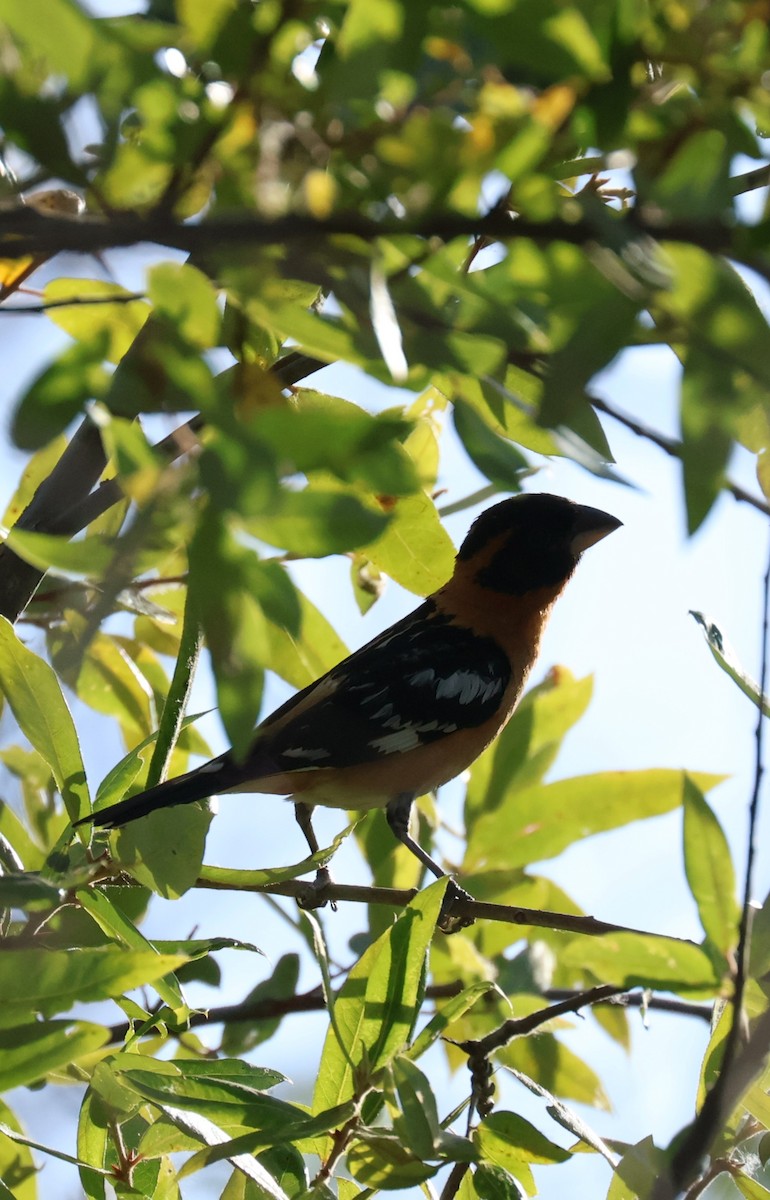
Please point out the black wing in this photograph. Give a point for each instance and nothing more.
(419, 681)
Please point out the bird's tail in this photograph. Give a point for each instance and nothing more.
(205, 781)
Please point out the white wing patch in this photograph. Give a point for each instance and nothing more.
(467, 687)
(397, 743)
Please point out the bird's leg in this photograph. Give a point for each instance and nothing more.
(303, 814)
(398, 812)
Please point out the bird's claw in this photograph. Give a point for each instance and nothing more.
(313, 895)
(449, 922)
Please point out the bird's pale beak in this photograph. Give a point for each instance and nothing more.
(591, 525)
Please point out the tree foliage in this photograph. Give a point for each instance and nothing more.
(483, 204)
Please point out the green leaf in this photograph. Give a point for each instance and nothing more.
(93, 556)
(233, 622)
(229, 1093)
(92, 318)
(38, 468)
(105, 678)
(59, 393)
(272, 1127)
(709, 870)
(415, 549)
(530, 742)
(603, 329)
(51, 981)
(316, 432)
(323, 337)
(319, 520)
(695, 184)
(637, 1172)
(188, 298)
(549, 1061)
(494, 456)
(165, 851)
(204, 1130)
(19, 1139)
(750, 1188)
(495, 1183)
(93, 1145)
(302, 644)
(642, 960)
(34, 122)
(203, 19)
(450, 1011)
(36, 699)
(708, 425)
(727, 659)
(539, 822)
(17, 1166)
(116, 925)
(64, 38)
(377, 1005)
(508, 1140)
(417, 1125)
(29, 1052)
(709, 309)
(118, 780)
(160, 372)
(383, 1161)
(28, 891)
(240, 880)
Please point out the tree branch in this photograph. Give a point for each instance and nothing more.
(272, 1008)
(400, 897)
(26, 232)
(74, 475)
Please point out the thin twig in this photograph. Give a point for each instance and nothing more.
(642, 999)
(738, 1067)
(518, 1026)
(674, 449)
(75, 302)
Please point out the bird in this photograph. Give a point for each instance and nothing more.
(419, 703)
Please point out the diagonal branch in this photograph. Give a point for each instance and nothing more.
(65, 502)
(74, 475)
(673, 448)
(518, 1026)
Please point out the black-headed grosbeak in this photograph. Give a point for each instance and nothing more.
(414, 707)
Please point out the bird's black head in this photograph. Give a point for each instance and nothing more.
(532, 541)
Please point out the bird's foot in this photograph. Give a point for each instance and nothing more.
(450, 921)
(314, 895)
